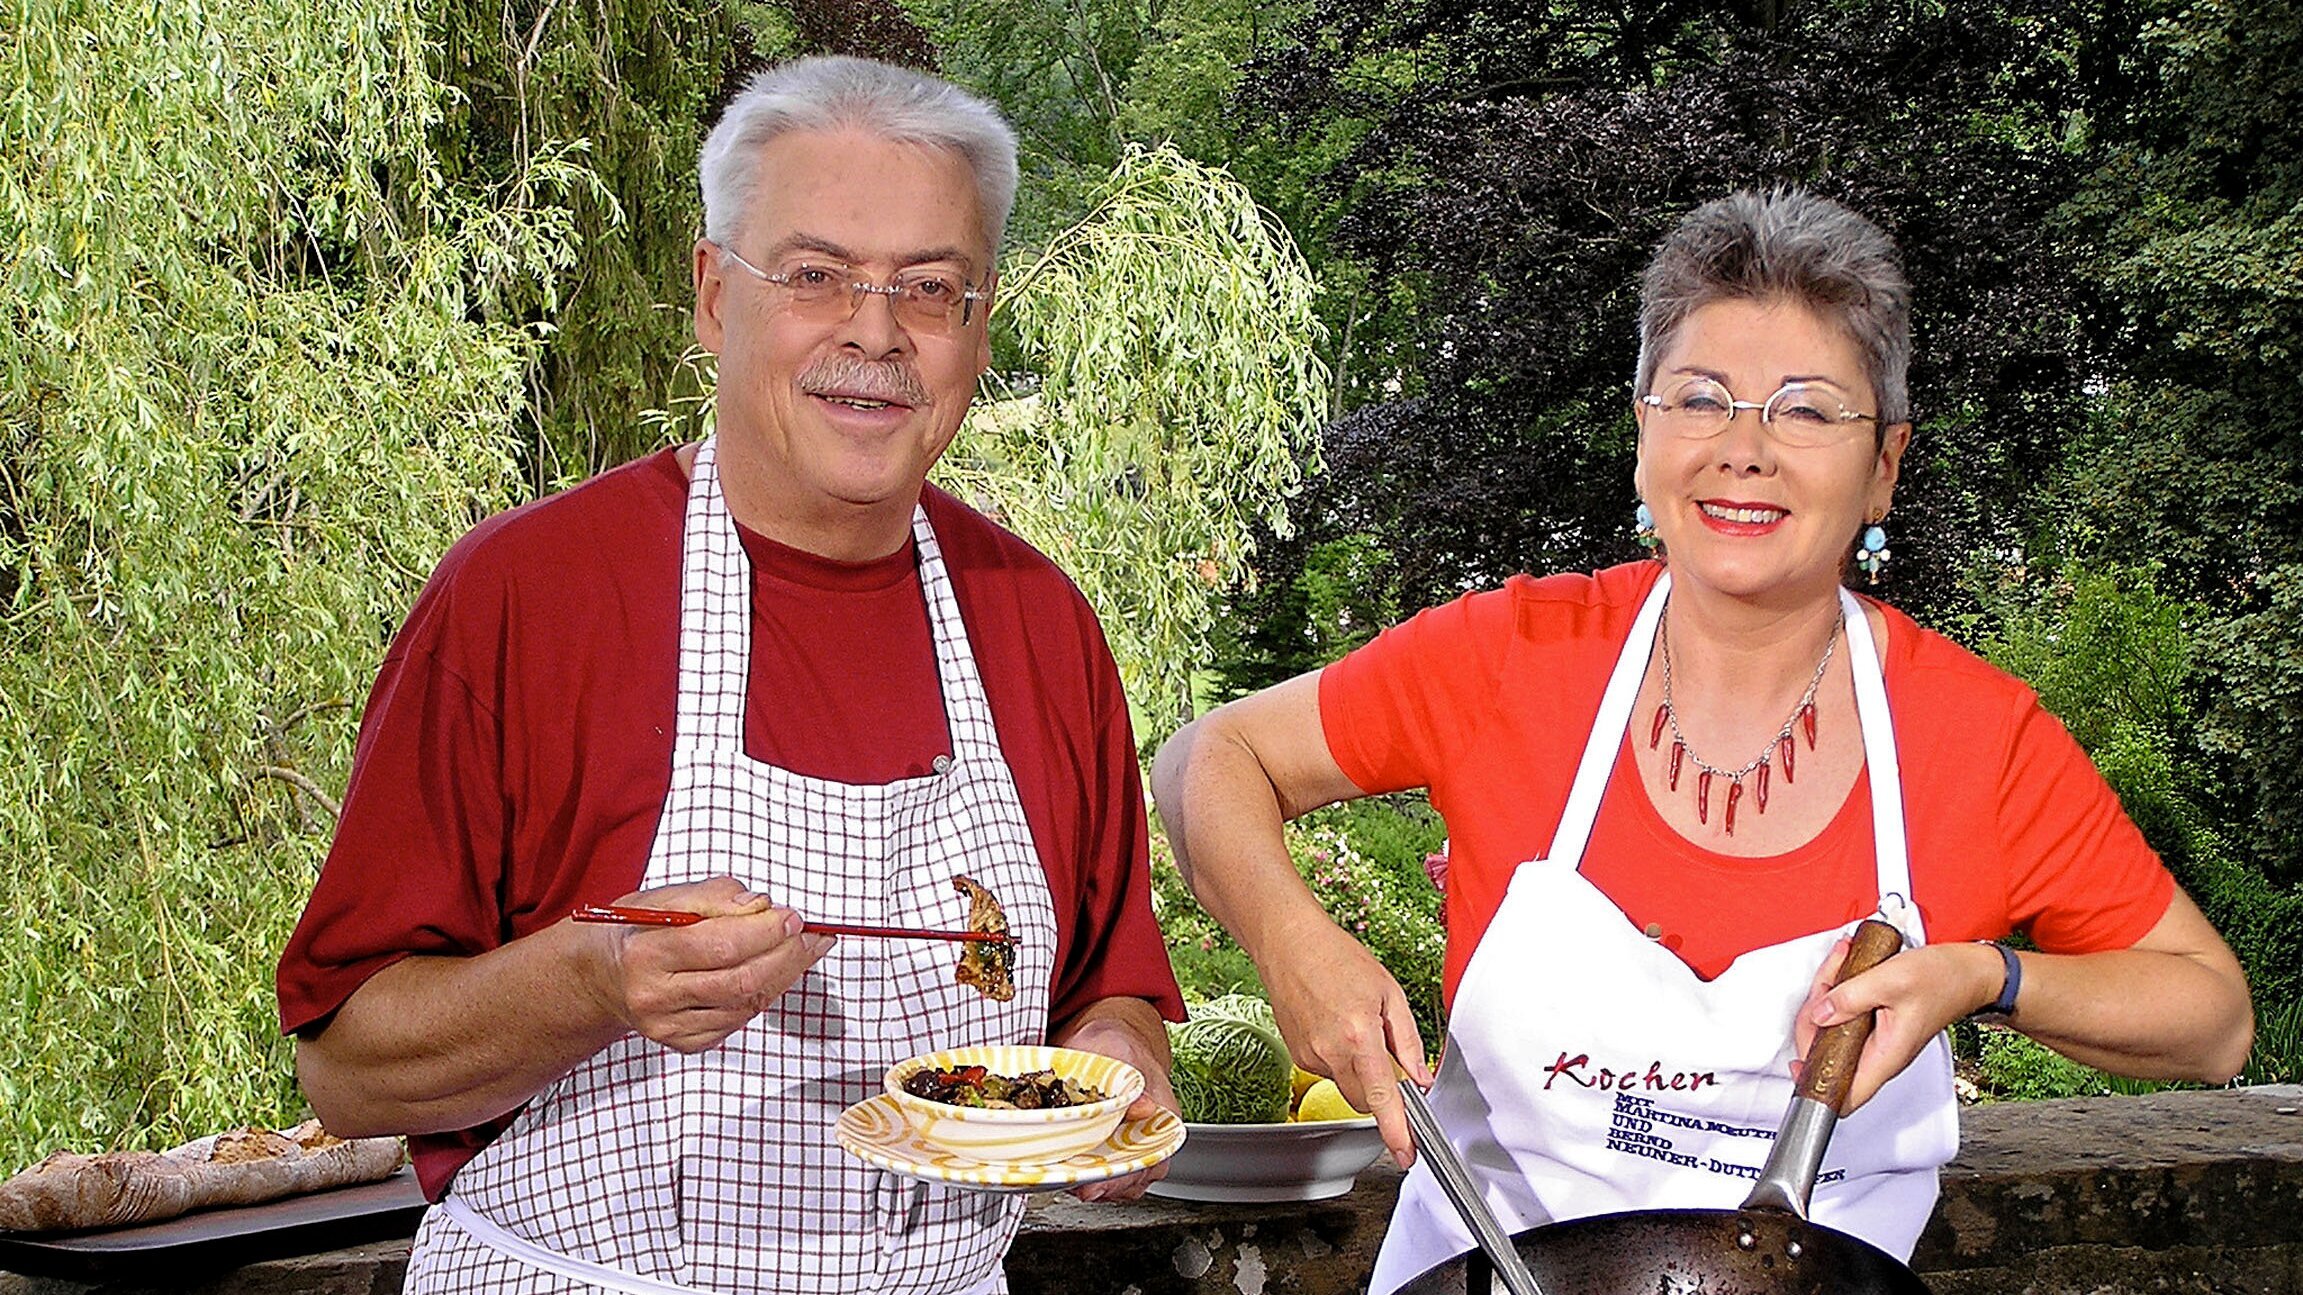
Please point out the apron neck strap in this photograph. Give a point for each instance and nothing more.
(1896, 906)
(716, 623)
(1607, 730)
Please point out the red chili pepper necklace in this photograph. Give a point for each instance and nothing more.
(1802, 717)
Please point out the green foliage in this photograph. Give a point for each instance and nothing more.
(2194, 217)
(1176, 396)
(2277, 1057)
(2110, 655)
(1081, 80)
(248, 396)
(1342, 593)
(2254, 718)
(2014, 1068)
(1364, 862)
(635, 84)
(2105, 650)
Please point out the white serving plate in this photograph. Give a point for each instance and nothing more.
(879, 1131)
(1270, 1162)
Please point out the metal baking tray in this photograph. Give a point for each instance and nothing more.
(209, 1240)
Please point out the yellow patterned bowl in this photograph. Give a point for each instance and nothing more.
(1019, 1137)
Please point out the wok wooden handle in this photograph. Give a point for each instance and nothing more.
(1829, 1073)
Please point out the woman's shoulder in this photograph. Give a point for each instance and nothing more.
(1574, 605)
(1950, 678)
(1480, 633)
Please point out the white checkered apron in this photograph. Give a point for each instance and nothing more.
(646, 1170)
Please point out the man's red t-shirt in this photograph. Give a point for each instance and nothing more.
(1488, 700)
(516, 749)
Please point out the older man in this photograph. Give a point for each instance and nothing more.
(771, 675)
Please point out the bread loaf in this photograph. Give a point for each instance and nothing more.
(68, 1191)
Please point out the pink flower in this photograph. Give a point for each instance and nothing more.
(1435, 867)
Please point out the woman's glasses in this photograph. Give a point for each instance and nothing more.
(1802, 414)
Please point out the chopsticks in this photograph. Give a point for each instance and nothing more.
(625, 916)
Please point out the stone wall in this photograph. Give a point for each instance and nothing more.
(2172, 1194)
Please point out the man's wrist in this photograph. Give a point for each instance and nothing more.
(1135, 1019)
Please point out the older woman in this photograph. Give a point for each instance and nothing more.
(1672, 787)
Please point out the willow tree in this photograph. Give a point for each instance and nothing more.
(249, 391)
(1171, 396)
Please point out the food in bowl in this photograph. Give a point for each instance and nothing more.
(1016, 1134)
(976, 1086)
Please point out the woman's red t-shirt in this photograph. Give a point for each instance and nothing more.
(1488, 700)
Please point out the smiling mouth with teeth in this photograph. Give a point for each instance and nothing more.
(1752, 516)
(858, 402)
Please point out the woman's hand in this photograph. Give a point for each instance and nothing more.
(2173, 1005)
(1345, 1017)
(1917, 994)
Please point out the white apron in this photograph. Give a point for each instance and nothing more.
(1589, 1070)
(646, 1170)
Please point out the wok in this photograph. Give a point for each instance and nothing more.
(1764, 1247)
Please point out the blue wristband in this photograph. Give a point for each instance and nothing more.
(2004, 1005)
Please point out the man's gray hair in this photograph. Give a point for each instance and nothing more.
(1785, 245)
(838, 93)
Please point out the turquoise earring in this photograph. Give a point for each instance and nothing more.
(1643, 527)
(1872, 553)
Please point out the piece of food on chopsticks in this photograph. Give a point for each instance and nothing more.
(73, 1192)
(989, 966)
(1038, 1090)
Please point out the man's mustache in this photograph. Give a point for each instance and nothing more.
(888, 380)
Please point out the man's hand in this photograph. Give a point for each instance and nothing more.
(1130, 1030)
(436, 1042)
(690, 987)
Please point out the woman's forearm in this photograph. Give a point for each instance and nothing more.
(1225, 816)
(2135, 1012)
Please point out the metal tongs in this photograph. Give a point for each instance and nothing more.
(1455, 1179)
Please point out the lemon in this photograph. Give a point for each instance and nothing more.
(1304, 1079)
(1324, 1101)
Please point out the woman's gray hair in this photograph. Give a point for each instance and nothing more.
(838, 93)
(1786, 245)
